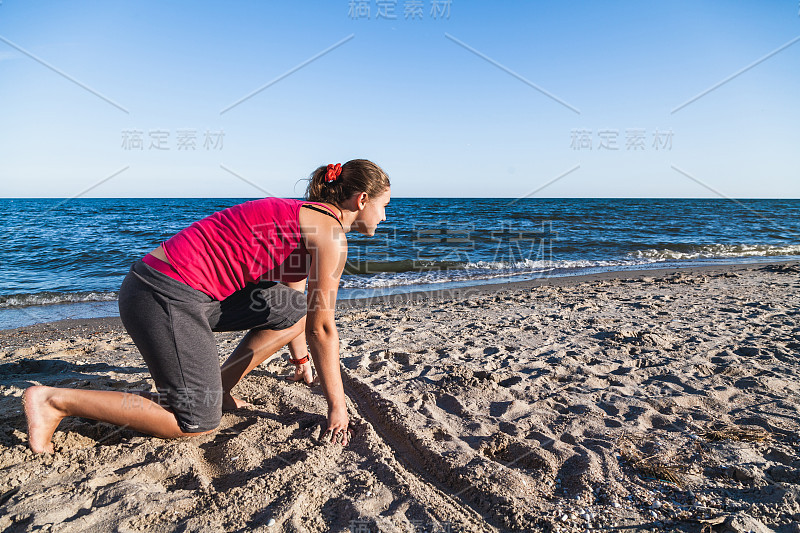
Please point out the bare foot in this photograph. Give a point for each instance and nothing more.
(43, 418)
(231, 403)
(305, 374)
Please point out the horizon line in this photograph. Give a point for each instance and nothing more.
(400, 198)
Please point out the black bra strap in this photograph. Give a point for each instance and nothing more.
(321, 210)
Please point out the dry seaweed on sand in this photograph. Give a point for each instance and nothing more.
(733, 432)
(653, 466)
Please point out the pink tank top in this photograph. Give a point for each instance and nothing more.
(245, 243)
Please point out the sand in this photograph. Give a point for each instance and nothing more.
(663, 400)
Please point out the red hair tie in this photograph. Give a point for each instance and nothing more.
(333, 172)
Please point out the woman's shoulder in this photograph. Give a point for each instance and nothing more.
(320, 223)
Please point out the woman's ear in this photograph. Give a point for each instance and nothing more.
(362, 201)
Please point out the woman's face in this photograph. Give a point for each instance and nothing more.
(374, 213)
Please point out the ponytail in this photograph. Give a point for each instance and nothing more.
(335, 184)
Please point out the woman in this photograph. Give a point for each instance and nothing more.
(220, 274)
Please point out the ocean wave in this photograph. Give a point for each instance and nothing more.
(479, 270)
(383, 274)
(712, 251)
(448, 268)
(532, 265)
(403, 265)
(49, 298)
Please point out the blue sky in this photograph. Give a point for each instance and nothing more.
(498, 99)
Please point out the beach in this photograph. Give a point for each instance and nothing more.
(638, 400)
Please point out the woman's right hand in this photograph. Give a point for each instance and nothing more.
(326, 242)
(338, 426)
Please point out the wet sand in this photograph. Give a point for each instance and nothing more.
(664, 400)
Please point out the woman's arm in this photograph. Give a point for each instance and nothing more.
(297, 346)
(328, 247)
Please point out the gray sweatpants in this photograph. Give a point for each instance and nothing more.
(171, 324)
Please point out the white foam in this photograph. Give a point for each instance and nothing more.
(712, 251)
(49, 298)
(480, 270)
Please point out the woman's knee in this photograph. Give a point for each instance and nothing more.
(189, 431)
(182, 433)
(199, 418)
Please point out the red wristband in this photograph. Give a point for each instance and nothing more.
(299, 361)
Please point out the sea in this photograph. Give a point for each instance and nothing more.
(66, 257)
